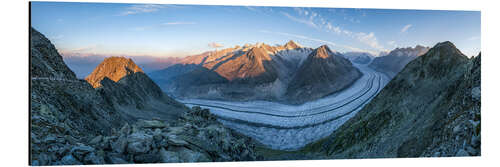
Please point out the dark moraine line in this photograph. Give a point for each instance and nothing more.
(366, 88)
(292, 116)
(239, 121)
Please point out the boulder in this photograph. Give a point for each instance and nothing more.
(150, 124)
(138, 143)
(69, 160)
(169, 156)
(81, 151)
(462, 153)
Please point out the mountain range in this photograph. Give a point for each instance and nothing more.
(258, 72)
(396, 60)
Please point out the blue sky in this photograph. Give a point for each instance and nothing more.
(181, 30)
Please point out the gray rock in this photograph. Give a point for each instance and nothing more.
(125, 129)
(139, 143)
(456, 129)
(80, 151)
(120, 144)
(116, 160)
(462, 153)
(476, 141)
(69, 160)
(169, 156)
(187, 155)
(95, 140)
(471, 150)
(436, 154)
(151, 124)
(174, 140)
(92, 158)
(476, 93)
(147, 158)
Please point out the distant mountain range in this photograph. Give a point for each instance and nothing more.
(396, 60)
(359, 57)
(258, 72)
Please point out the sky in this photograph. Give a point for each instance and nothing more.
(165, 30)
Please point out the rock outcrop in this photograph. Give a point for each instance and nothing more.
(114, 68)
(431, 108)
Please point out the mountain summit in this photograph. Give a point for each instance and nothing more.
(322, 73)
(292, 45)
(113, 68)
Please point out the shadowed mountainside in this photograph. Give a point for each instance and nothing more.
(322, 73)
(431, 108)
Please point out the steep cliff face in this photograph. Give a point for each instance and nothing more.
(431, 108)
(322, 73)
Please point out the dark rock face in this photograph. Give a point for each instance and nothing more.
(431, 108)
(45, 60)
(322, 73)
(397, 59)
(73, 123)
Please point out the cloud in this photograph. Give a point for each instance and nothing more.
(303, 21)
(146, 8)
(178, 23)
(474, 38)
(370, 40)
(405, 28)
(391, 43)
(215, 45)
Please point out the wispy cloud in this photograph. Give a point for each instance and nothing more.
(299, 20)
(474, 38)
(146, 8)
(406, 27)
(313, 19)
(215, 45)
(370, 40)
(178, 23)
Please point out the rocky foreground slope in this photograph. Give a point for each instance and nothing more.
(430, 109)
(73, 123)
